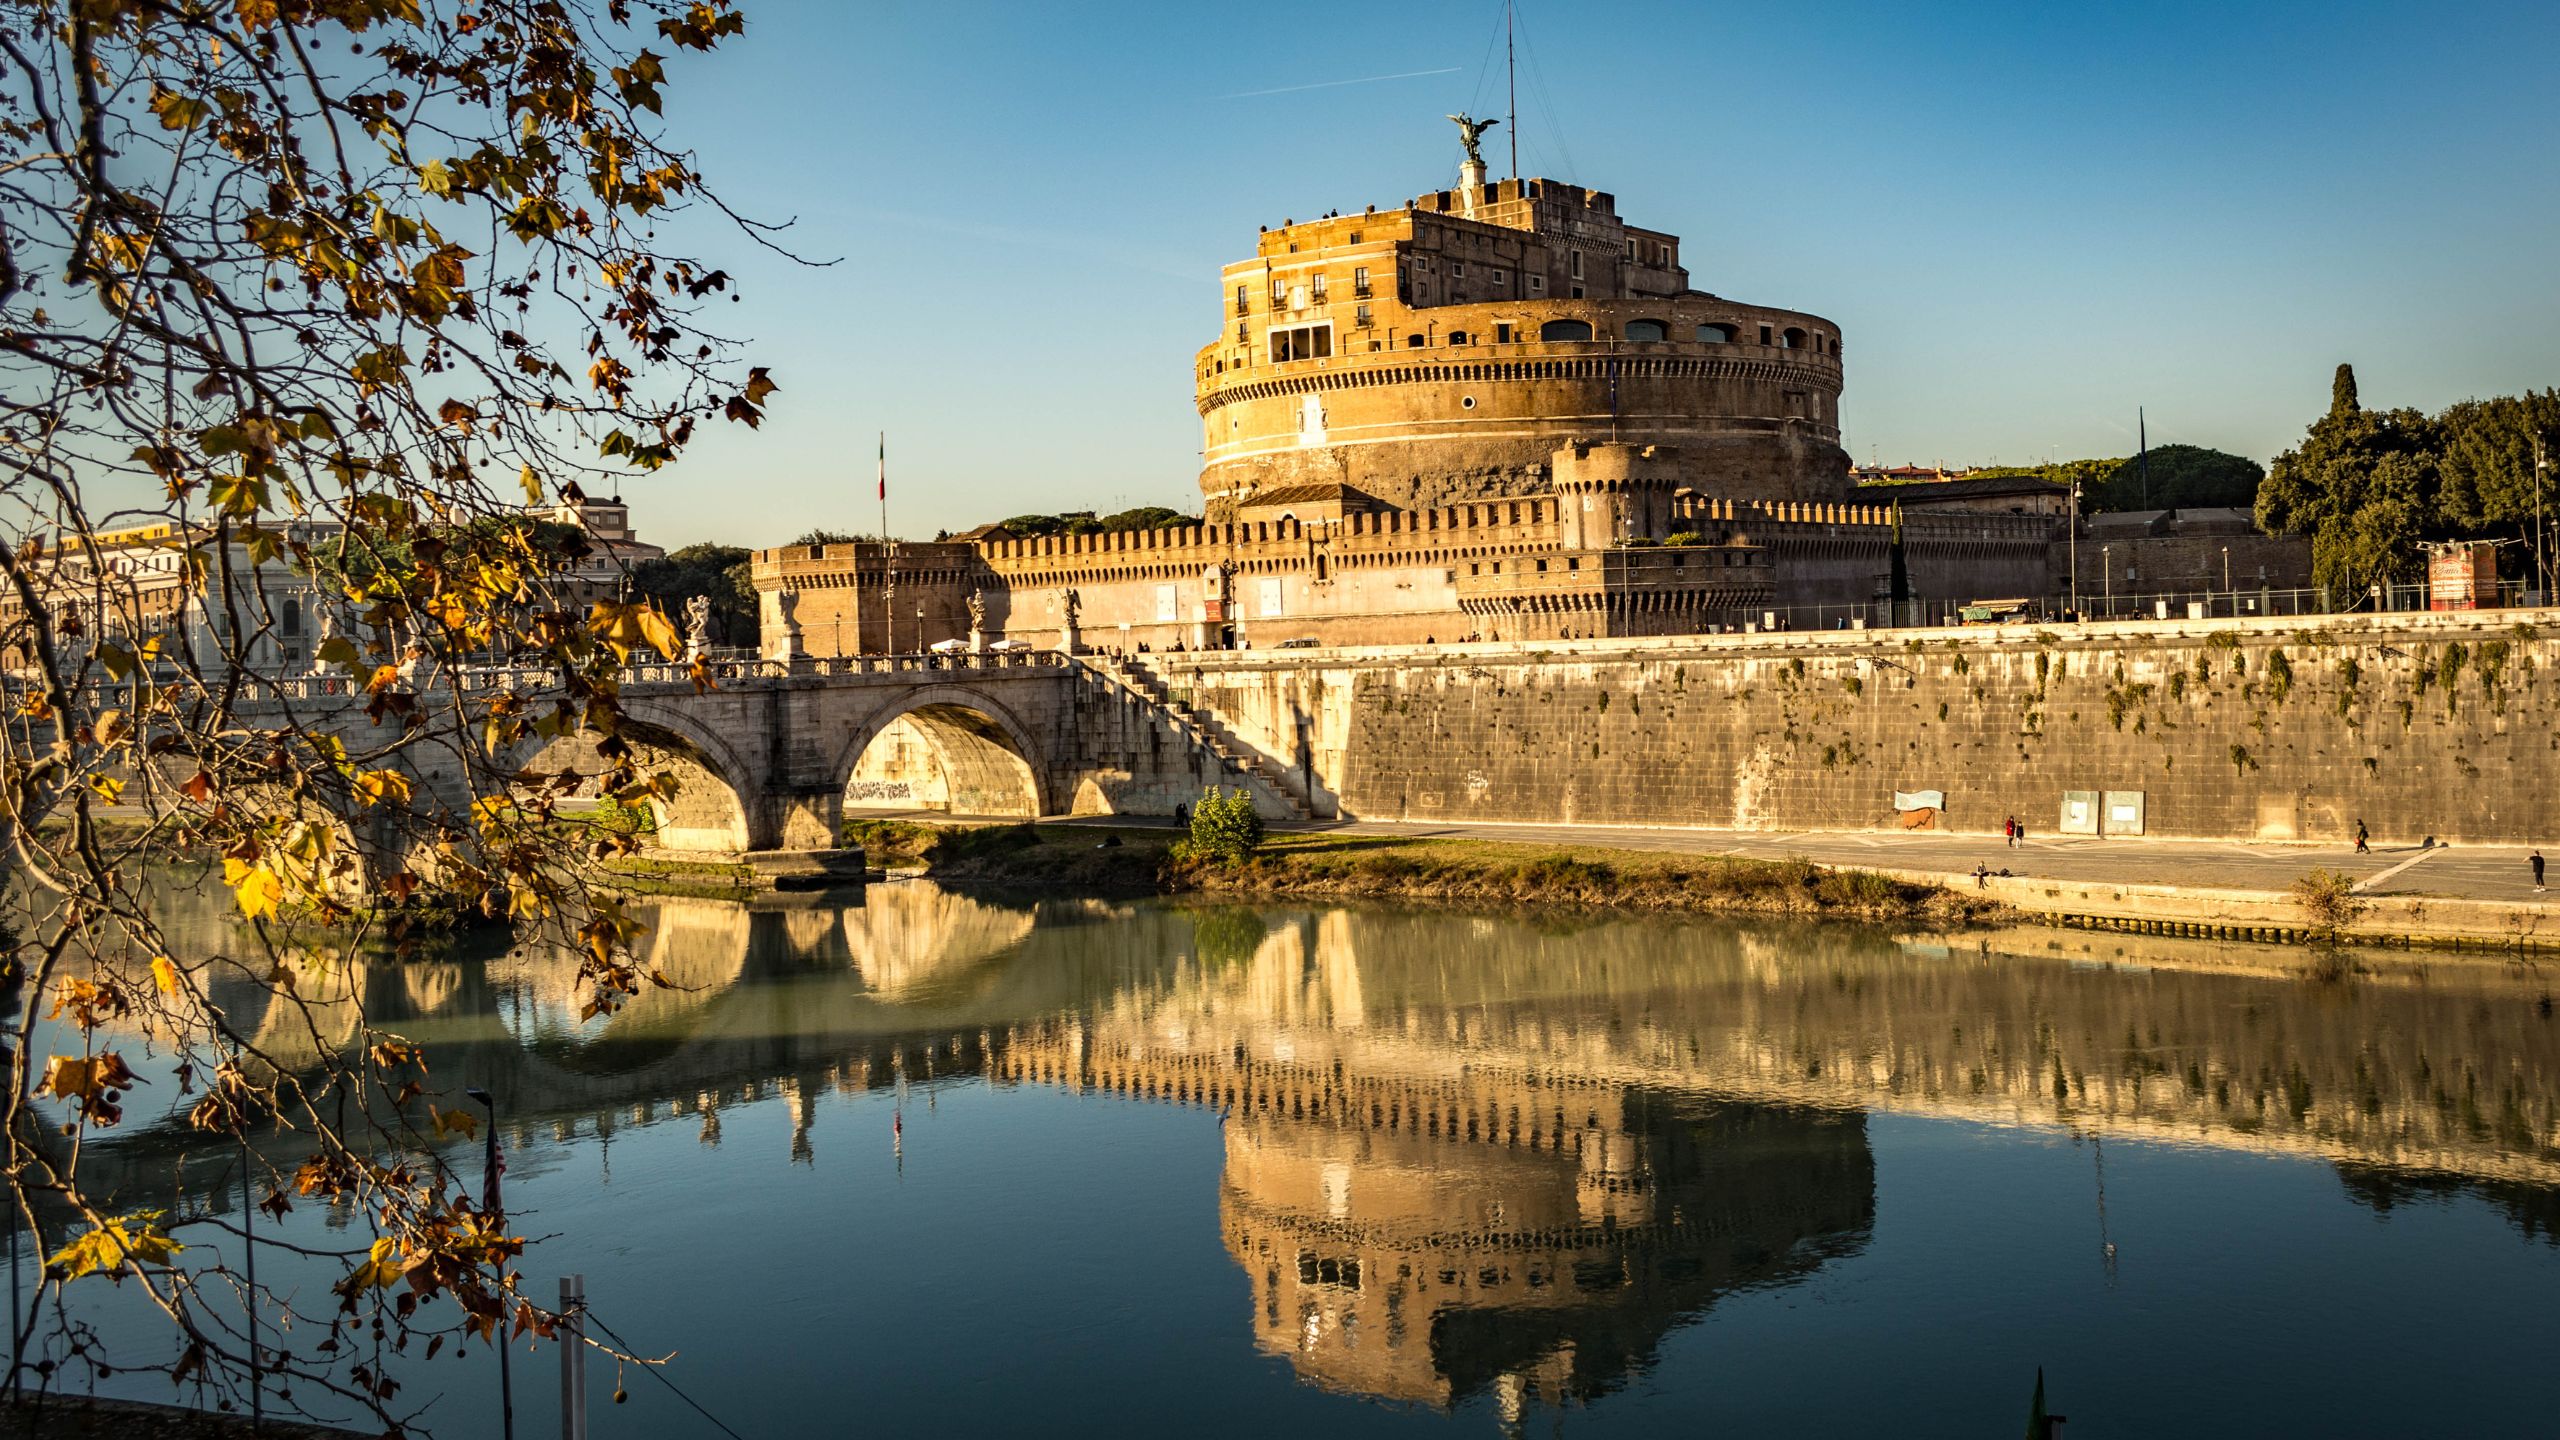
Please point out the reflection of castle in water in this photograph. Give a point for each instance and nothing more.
(1466, 1155)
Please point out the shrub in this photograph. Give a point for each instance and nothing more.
(1225, 827)
(616, 818)
(2329, 901)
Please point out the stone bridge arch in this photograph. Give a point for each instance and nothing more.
(714, 809)
(990, 761)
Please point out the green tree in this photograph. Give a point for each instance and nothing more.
(722, 573)
(2488, 448)
(2364, 486)
(2182, 477)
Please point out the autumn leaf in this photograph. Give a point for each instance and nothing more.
(454, 1122)
(377, 1271)
(382, 787)
(258, 891)
(164, 973)
(136, 1239)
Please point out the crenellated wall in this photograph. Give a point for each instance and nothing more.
(2444, 725)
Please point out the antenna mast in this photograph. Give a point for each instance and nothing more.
(1511, 76)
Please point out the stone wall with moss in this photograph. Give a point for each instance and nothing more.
(2444, 725)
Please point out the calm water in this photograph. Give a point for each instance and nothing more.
(1363, 1172)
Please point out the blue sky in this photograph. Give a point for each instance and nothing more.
(2027, 219)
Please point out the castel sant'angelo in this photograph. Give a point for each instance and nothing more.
(1497, 411)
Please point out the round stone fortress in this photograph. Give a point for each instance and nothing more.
(1442, 353)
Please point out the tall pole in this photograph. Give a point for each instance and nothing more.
(2541, 550)
(249, 1253)
(573, 1357)
(2075, 552)
(492, 1204)
(2142, 431)
(1511, 74)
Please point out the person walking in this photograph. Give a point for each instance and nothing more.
(2363, 837)
(2536, 857)
(2009, 830)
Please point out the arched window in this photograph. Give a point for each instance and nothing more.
(1715, 334)
(291, 620)
(1457, 337)
(1639, 331)
(1792, 339)
(1565, 330)
(1413, 342)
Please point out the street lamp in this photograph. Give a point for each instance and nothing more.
(2226, 567)
(2075, 550)
(495, 1210)
(2107, 576)
(2541, 562)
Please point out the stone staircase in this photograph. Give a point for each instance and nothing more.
(1205, 733)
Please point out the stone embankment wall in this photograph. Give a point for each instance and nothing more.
(2444, 725)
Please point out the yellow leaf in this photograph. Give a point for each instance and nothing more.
(454, 1122)
(109, 789)
(618, 626)
(382, 787)
(258, 891)
(378, 1269)
(661, 632)
(164, 972)
(136, 1238)
(532, 487)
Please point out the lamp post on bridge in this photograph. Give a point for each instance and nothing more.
(2107, 577)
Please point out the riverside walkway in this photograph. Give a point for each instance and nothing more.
(2448, 893)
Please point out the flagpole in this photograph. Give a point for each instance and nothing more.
(889, 578)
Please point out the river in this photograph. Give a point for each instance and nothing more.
(932, 1164)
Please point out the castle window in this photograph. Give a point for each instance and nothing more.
(1715, 334)
(1466, 402)
(1413, 342)
(1565, 330)
(1537, 282)
(1640, 331)
(292, 617)
(1764, 334)
(1317, 285)
(1359, 280)
(1279, 290)
(1360, 317)
(1457, 270)
(1301, 342)
(1501, 277)
(1792, 340)
(1574, 263)
(1542, 567)
(1501, 334)
(1457, 337)
(1355, 237)
(1577, 292)
(1241, 336)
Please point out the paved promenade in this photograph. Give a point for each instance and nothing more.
(2491, 873)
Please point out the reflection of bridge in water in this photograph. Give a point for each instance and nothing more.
(1466, 1154)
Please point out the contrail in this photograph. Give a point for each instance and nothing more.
(1330, 84)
